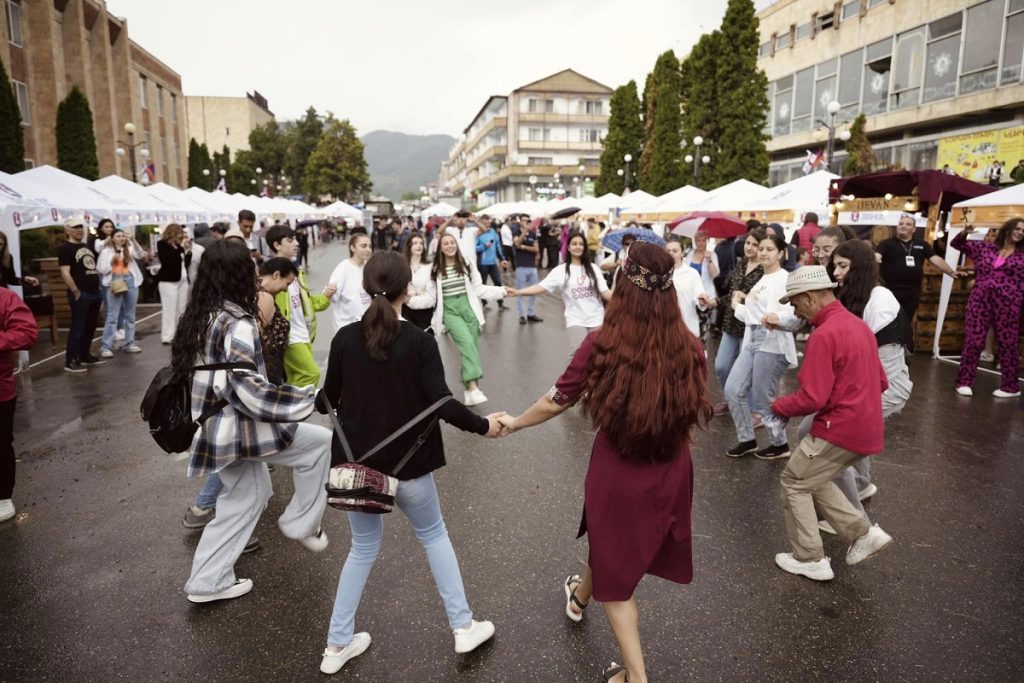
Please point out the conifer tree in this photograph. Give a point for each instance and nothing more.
(660, 167)
(12, 141)
(699, 76)
(625, 136)
(76, 141)
(195, 164)
(860, 155)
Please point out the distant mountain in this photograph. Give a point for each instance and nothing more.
(400, 163)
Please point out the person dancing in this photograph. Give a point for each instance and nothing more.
(995, 301)
(689, 288)
(349, 298)
(420, 308)
(642, 380)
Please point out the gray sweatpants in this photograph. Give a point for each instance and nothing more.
(247, 489)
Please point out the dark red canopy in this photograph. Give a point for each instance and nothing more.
(931, 185)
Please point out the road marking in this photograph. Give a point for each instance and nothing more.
(58, 355)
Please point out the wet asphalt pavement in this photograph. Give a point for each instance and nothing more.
(94, 564)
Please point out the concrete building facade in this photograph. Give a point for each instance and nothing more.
(550, 130)
(219, 121)
(938, 80)
(49, 46)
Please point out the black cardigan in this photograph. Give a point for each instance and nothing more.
(171, 262)
(375, 399)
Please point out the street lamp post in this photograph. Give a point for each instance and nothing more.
(582, 169)
(697, 159)
(533, 183)
(627, 158)
(129, 129)
(833, 110)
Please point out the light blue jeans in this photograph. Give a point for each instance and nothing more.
(207, 497)
(524, 278)
(417, 499)
(753, 383)
(120, 311)
(725, 358)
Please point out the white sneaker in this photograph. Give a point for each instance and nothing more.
(473, 636)
(818, 571)
(236, 590)
(965, 391)
(132, 348)
(6, 509)
(867, 545)
(825, 527)
(317, 542)
(474, 397)
(999, 393)
(119, 335)
(480, 398)
(106, 353)
(867, 492)
(987, 357)
(333, 661)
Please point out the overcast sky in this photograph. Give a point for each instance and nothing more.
(414, 66)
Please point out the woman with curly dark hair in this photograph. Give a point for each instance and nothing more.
(641, 378)
(252, 422)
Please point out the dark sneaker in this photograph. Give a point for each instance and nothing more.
(252, 545)
(534, 319)
(74, 366)
(197, 518)
(522, 320)
(741, 449)
(773, 452)
(92, 360)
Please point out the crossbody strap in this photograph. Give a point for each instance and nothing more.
(218, 406)
(394, 435)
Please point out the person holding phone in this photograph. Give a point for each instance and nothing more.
(118, 262)
(491, 259)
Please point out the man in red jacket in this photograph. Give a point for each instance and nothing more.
(841, 381)
(804, 237)
(18, 331)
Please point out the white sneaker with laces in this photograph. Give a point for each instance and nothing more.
(820, 570)
(333, 661)
(236, 590)
(473, 636)
(480, 397)
(868, 545)
(867, 492)
(999, 393)
(470, 398)
(965, 391)
(106, 353)
(6, 509)
(317, 542)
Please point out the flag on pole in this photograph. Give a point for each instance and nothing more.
(813, 161)
(149, 170)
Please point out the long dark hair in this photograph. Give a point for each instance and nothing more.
(1003, 236)
(585, 261)
(862, 277)
(407, 250)
(385, 277)
(646, 384)
(461, 267)
(226, 273)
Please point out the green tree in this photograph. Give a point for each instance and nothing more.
(76, 141)
(302, 138)
(242, 173)
(700, 105)
(222, 161)
(12, 140)
(337, 166)
(660, 167)
(740, 150)
(860, 155)
(198, 161)
(268, 146)
(625, 136)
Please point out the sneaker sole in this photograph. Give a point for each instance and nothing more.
(867, 493)
(874, 552)
(77, 371)
(743, 454)
(195, 525)
(819, 576)
(348, 658)
(780, 456)
(200, 599)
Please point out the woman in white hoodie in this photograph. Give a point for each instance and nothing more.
(118, 263)
(459, 289)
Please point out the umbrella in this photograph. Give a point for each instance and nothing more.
(565, 213)
(713, 223)
(613, 240)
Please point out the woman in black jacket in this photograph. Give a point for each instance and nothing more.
(381, 373)
(172, 278)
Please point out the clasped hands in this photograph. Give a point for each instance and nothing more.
(500, 424)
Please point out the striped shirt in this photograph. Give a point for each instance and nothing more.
(453, 283)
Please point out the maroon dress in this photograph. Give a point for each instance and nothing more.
(637, 515)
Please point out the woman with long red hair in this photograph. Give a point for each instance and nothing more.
(641, 379)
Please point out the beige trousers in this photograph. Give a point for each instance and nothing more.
(806, 482)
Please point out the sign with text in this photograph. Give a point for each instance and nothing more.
(970, 156)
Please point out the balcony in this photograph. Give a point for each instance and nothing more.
(538, 117)
(496, 151)
(558, 146)
(496, 122)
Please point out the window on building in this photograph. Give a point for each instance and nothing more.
(828, 68)
(943, 58)
(142, 91)
(851, 9)
(825, 88)
(591, 107)
(765, 49)
(534, 134)
(21, 91)
(877, 64)
(540, 161)
(174, 107)
(531, 106)
(783, 40)
(803, 101)
(783, 108)
(14, 22)
(803, 31)
(851, 69)
(549, 106)
(770, 119)
(1013, 50)
(908, 69)
(876, 3)
(980, 66)
(825, 21)
(590, 135)
(160, 100)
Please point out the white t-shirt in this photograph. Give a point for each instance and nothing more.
(351, 300)
(583, 305)
(688, 286)
(507, 239)
(298, 333)
(881, 309)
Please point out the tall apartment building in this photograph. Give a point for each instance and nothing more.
(548, 127)
(49, 46)
(220, 121)
(939, 80)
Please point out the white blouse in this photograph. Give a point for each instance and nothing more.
(762, 300)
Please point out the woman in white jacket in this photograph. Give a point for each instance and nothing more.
(768, 350)
(459, 289)
(689, 288)
(419, 310)
(118, 263)
(350, 300)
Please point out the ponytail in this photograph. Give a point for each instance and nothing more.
(386, 278)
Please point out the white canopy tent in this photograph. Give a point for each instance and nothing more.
(151, 209)
(788, 202)
(187, 210)
(668, 206)
(440, 209)
(600, 206)
(637, 199)
(732, 197)
(89, 202)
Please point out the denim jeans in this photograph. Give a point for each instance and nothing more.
(207, 497)
(493, 271)
(524, 278)
(752, 383)
(417, 499)
(85, 314)
(725, 358)
(106, 290)
(120, 307)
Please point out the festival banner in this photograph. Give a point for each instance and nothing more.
(970, 156)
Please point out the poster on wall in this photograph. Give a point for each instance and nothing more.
(970, 156)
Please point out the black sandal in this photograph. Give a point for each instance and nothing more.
(613, 671)
(571, 599)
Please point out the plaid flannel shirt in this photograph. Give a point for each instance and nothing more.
(260, 418)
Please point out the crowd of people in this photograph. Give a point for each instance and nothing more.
(643, 323)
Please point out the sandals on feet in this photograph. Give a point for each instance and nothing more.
(571, 599)
(613, 671)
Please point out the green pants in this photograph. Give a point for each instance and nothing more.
(300, 370)
(464, 328)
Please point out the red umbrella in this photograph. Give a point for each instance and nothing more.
(713, 223)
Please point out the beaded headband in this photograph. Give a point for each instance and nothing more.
(644, 278)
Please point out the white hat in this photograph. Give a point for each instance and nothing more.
(807, 279)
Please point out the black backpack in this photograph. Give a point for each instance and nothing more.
(166, 407)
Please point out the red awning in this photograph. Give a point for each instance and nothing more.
(930, 185)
